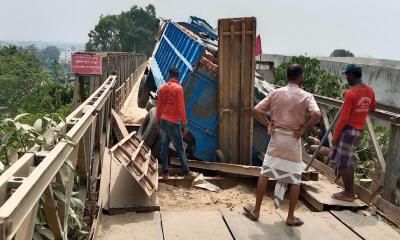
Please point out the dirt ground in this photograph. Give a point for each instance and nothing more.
(181, 198)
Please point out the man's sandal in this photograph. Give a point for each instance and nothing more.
(248, 212)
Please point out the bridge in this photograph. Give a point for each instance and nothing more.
(93, 130)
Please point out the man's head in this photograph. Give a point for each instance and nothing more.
(173, 73)
(353, 74)
(295, 74)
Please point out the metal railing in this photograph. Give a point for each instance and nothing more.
(30, 177)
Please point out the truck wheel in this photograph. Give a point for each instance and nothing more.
(148, 130)
(143, 93)
(219, 156)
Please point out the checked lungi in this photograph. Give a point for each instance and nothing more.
(344, 150)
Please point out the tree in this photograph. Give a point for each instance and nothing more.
(126, 32)
(26, 86)
(49, 56)
(341, 53)
(316, 80)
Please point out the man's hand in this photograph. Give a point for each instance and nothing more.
(299, 132)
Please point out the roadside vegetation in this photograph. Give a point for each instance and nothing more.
(35, 98)
(130, 31)
(323, 83)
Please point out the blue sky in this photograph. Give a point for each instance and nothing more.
(369, 28)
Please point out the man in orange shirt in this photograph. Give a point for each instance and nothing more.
(171, 116)
(358, 100)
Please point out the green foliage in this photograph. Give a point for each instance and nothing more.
(341, 53)
(316, 80)
(364, 161)
(126, 32)
(26, 86)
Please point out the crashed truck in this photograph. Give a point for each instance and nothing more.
(192, 47)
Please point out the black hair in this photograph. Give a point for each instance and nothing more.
(173, 72)
(293, 71)
(357, 74)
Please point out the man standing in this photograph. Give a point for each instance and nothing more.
(358, 100)
(171, 116)
(288, 107)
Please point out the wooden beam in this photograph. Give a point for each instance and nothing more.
(223, 167)
(325, 170)
(50, 212)
(392, 175)
(325, 120)
(252, 171)
(375, 143)
(389, 210)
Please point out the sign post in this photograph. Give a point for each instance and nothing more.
(86, 64)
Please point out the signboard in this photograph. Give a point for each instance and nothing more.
(86, 63)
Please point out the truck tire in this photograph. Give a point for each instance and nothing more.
(143, 93)
(148, 130)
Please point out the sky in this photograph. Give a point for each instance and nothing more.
(368, 28)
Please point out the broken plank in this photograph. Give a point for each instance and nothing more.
(327, 171)
(194, 225)
(245, 170)
(103, 200)
(118, 126)
(319, 193)
(270, 226)
(130, 226)
(223, 182)
(368, 227)
(320, 226)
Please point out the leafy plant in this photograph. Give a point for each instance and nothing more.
(316, 80)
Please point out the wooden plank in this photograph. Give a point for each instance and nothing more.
(326, 122)
(319, 195)
(118, 126)
(270, 226)
(130, 226)
(392, 176)
(320, 226)
(194, 224)
(104, 192)
(368, 227)
(375, 143)
(327, 171)
(235, 88)
(245, 170)
(25, 231)
(50, 212)
(389, 210)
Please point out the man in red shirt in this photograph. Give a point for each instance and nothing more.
(358, 100)
(171, 116)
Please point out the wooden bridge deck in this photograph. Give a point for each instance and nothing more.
(213, 224)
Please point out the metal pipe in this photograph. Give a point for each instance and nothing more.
(323, 140)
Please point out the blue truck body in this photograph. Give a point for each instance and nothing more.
(178, 48)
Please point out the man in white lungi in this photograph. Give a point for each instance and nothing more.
(292, 111)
